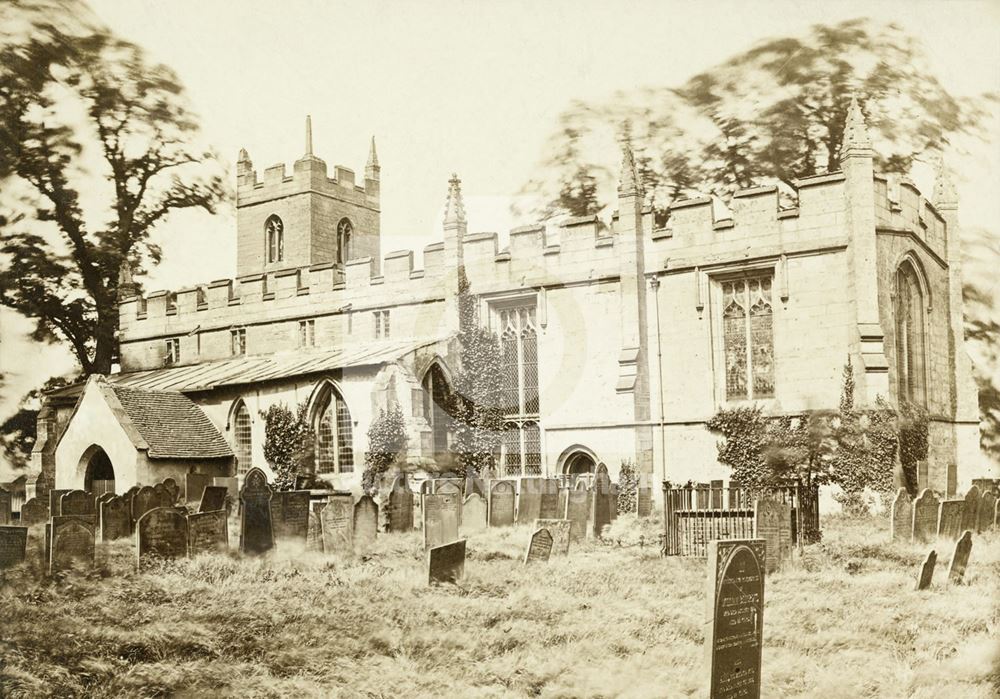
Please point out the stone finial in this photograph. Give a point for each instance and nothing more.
(126, 284)
(454, 211)
(372, 167)
(856, 140)
(244, 156)
(628, 179)
(945, 194)
(309, 135)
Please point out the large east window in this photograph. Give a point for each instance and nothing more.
(910, 353)
(748, 337)
(334, 443)
(521, 441)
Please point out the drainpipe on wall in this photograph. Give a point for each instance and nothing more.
(654, 284)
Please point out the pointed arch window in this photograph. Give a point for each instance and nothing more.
(748, 337)
(242, 438)
(910, 337)
(334, 438)
(345, 232)
(521, 441)
(436, 393)
(274, 230)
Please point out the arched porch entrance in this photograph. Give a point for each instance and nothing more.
(578, 462)
(99, 477)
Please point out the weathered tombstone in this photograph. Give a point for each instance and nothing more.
(164, 496)
(539, 547)
(314, 539)
(548, 506)
(290, 514)
(448, 486)
(55, 499)
(927, 571)
(5, 507)
(473, 514)
(563, 497)
(925, 516)
(144, 500)
(970, 516)
(172, 488)
(161, 533)
(213, 498)
(400, 506)
(365, 524)
(987, 505)
(644, 501)
(950, 516)
(735, 617)
(529, 499)
(446, 563)
(71, 541)
(600, 513)
(440, 513)
(960, 559)
(34, 512)
(773, 524)
(256, 528)
(113, 519)
(337, 522)
(103, 497)
(13, 544)
(922, 473)
(195, 484)
(559, 529)
(501, 505)
(77, 502)
(208, 532)
(901, 521)
(578, 511)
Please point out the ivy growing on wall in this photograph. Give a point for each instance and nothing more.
(289, 443)
(386, 441)
(628, 487)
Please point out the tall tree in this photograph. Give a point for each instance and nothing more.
(95, 152)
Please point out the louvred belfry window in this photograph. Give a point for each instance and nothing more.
(748, 336)
(519, 399)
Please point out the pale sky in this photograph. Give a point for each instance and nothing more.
(466, 87)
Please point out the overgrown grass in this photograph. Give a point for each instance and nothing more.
(608, 621)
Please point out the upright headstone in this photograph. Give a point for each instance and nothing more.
(473, 514)
(400, 506)
(337, 522)
(290, 515)
(174, 491)
(735, 617)
(129, 497)
(144, 500)
(6, 517)
(164, 496)
(449, 486)
(960, 559)
(922, 479)
(563, 497)
(970, 515)
(539, 547)
(103, 497)
(13, 544)
(446, 563)
(925, 516)
(113, 519)
(529, 500)
(578, 511)
(71, 542)
(950, 516)
(613, 503)
(365, 525)
(548, 506)
(901, 521)
(256, 528)
(208, 532)
(501, 505)
(55, 500)
(600, 514)
(644, 501)
(773, 524)
(314, 539)
(440, 513)
(987, 504)
(230, 483)
(559, 529)
(927, 570)
(161, 533)
(213, 498)
(34, 512)
(77, 502)
(195, 484)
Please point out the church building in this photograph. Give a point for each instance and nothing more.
(618, 342)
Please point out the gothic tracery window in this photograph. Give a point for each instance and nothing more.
(910, 349)
(435, 401)
(748, 336)
(334, 443)
(274, 229)
(243, 438)
(521, 441)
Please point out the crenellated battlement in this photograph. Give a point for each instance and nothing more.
(308, 174)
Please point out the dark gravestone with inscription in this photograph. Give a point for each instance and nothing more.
(113, 519)
(548, 507)
(208, 532)
(440, 513)
(600, 510)
(449, 486)
(213, 498)
(195, 484)
(144, 500)
(401, 506)
(927, 571)
(960, 559)
(13, 543)
(501, 505)
(539, 547)
(337, 522)
(970, 516)
(77, 502)
(925, 516)
(559, 529)
(950, 515)
(71, 542)
(901, 520)
(529, 499)
(55, 500)
(735, 618)
(578, 511)
(256, 528)
(290, 515)
(34, 512)
(5, 507)
(446, 563)
(987, 504)
(161, 533)
(365, 525)
(773, 524)
(473, 514)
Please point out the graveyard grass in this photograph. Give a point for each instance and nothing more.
(608, 621)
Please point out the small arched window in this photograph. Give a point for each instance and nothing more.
(334, 441)
(274, 230)
(436, 393)
(345, 231)
(910, 344)
(242, 438)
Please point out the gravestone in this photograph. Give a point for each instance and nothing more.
(314, 538)
(6, 516)
(448, 486)
(927, 571)
(161, 533)
(970, 516)
(113, 519)
(563, 496)
(208, 532)
(71, 541)
(144, 500)
(501, 505)
(613, 504)
(987, 505)
(400, 506)
(290, 514)
(559, 529)
(529, 500)
(34, 512)
(170, 485)
(13, 544)
(925, 516)
(446, 563)
(539, 547)
(644, 501)
(195, 484)
(365, 525)
(600, 511)
(256, 527)
(337, 523)
(735, 617)
(548, 506)
(77, 502)
(55, 500)
(950, 516)
(922, 473)
(578, 511)
(773, 524)
(103, 497)
(213, 498)
(473, 514)
(901, 521)
(164, 496)
(440, 513)
(230, 483)
(960, 559)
